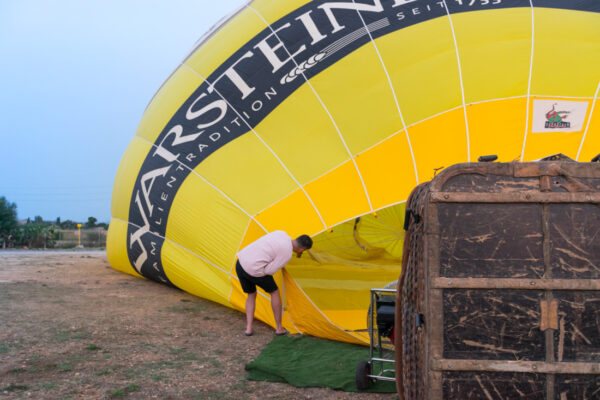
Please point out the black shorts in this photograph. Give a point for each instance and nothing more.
(249, 282)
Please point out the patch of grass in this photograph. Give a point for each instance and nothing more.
(155, 369)
(46, 385)
(182, 354)
(104, 371)
(13, 388)
(214, 365)
(188, 357)
(37, 365)
(162, 364)
(206, 396)
(66, 335)
(79, 333)
(175, 350)
(17, 371)
(92, 347)
(62, 336)
(158, 378)
(134, 373)
(65, 367)
(152, 368)
(242, 385)
(130, 388)
(9, 347)
(185, 300)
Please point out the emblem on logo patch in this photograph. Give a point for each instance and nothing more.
(556, 119)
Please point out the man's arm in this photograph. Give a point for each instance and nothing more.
(276, 264)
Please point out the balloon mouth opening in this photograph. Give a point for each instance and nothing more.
(374, 238)
(350, 259)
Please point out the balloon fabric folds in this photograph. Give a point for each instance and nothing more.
(319, 117)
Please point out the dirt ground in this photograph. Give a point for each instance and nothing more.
(72, 327)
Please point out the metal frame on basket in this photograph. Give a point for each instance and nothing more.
(375, 293)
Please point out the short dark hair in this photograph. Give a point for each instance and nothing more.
(304, 241)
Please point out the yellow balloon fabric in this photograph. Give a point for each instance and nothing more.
(319, 117)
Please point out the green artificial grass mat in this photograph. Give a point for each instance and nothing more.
(306, 361)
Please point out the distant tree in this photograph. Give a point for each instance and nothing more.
(50, 236)
(38, 219)
(30, 235)
(8, 220)
(36, 235)
(91, 222)
(58, 221)
(68, 224)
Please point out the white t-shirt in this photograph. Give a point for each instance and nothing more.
(267, 255)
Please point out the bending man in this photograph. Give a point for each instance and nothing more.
(256, 265)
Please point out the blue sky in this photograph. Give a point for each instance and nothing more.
(75, 78)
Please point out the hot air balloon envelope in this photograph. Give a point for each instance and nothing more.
(319, 117)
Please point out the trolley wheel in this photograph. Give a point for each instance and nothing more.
(362, 370)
